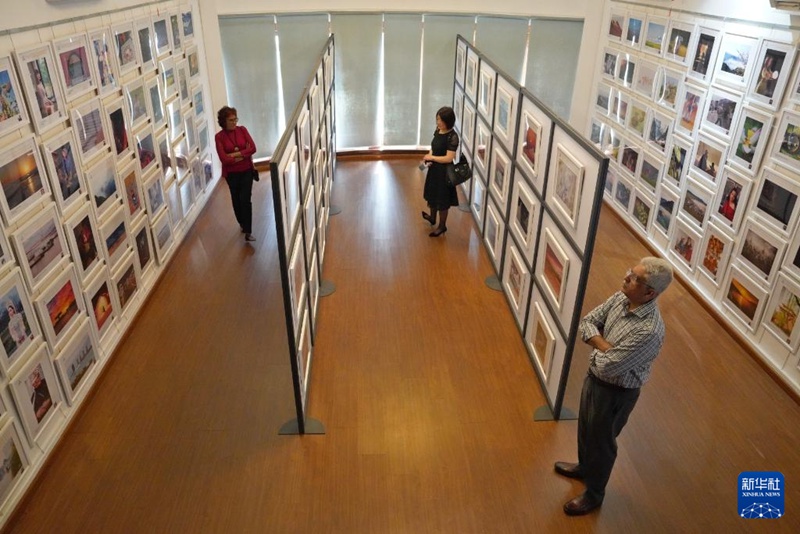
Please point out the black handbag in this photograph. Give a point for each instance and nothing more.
(458, 173)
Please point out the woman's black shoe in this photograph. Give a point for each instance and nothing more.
(428, 218)
(437, 232)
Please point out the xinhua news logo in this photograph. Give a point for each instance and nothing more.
(761, 495)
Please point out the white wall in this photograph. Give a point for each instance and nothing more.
(24, 13)
(749, 10)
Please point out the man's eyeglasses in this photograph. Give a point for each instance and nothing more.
(630, 275)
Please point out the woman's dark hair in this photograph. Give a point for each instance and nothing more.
(447, 115)
(223, 114)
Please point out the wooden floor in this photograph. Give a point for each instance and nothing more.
(424, 387)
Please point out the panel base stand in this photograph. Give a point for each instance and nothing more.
(544, 413)
(293, 428)
(326, 287)
(334, 210)
(463, 207)
(494, 283)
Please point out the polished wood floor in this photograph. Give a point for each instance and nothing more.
(424, 387)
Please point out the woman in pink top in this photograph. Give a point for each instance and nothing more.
(235, 149)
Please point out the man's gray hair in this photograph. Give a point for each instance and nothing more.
(659, 273)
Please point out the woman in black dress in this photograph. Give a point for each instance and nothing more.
(438, 193)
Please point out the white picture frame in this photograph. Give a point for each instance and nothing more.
(704, 55)
(708, 158)
(101, 305)
(129, 182)
(567, 186)
(655, 35)
(645, 78)
(696, 203)
(19, 326)
(38, 74)
(744, 297)
(461, 61)
(735, 60)
(101, 44)
(298, 282)
(680, 41)
(161, 31)
(638, 118)
(690, 108)
(125, 47)
(659, 131)
(68, 184)
(15, 114)
(684, 245)
(500, 176)
(145, 43)
(83, 238)
(493, 234)
(73, 56)
(169, 79)
(523, 220)
(77, 362)
(780, 317)
(651, 170)
(750, 138)
(541, 339)
(714, 254)
(786, 145)
(642, 210)
(154, 195)
(552, 268)
(146, 153)
(533, 139)
(13, 457)
(104, 191)
(516, 281)
(471, 80)
(137, 103)
(720, 112)
(143, 246)
(731, 200)
(772, 70)
(616, 25)
(155, 103)
(776, 200)
(486, 90)
(626, 69)
(622, 193)
(665, 210)
(505, 113)
(634, 29)
(36, 394)
(89, 125)
(115, 238)
(126, 282)
(61, 307)
(41, 247)
(118, 127)
(760, 250)
(670, 82)
(678, 156)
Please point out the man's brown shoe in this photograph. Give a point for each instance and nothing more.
(582, 504)
(569, 470)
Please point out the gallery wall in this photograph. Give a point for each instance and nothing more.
(105, 144)
(699, 114)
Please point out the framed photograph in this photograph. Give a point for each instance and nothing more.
(154, 195)
(144, 248)
(541, 340)
(38, 72)
(695, 202)
(478, 201)
(12, 456)
(191, 135)
(118, 128)
(735, 62)
(126, 282)
(188, 196)
(193, 59)
(626, 69)
(203, 141)
(716, 252)
(198, 104)
(187, 25)
(76, 362)
(720, 112)
(744, 297)
(290, 191)
(468, 127)
(60, 153)
(18, 325)
(161, 41)
(786, 147)
(731, 199)
(634, 27)
(461, 61)
(146, 44)
(684, 244)
(21, 164)
(603, 100)
(500, 176)
(776, 200)
(659, 131)
(13, 114)
(619, 107)
(297, 282)
(645, 79)
(486, 89)
(690, 110)
(708, 157)
(137, 103)
(655, 35)
(505, 115)
(125, 47)
(749, 145)
(761, 250)
(115, 238)
(146, 150)
(616, 24)
(524, 219)
(704, 55)
(773, 64)
(471, 86)
(61, 307)
(104, 61)
(155, 103)
(669, 87)
(169, 79)
(175, 24)
(597, 133)
(650, 171)
(641, 210)
(614, 142)
(611, 180)
(101, 304)
(197, 176)
(165, 159)
(73, 58)
(609, 65)
(678, 155)
(552, 268)
(782, 310)
(7, 259)
(679, 41)
(182, 68)
(162, 233)
(130, 181)
(89, 127)
(629, 158)
(566, 192)
(174, 213)
(483, 146)
(532, 134)
(81, 230)
(637, 118)
(516, 282)
(665, 211)
(622, 193)
(36, 394)
(103, 189)
(493, 234)
(40, 246)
